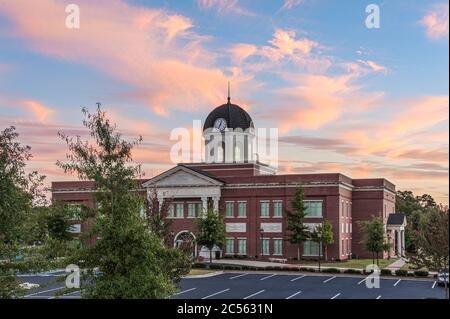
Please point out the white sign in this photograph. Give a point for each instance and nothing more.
(236, 227)
(271, 227)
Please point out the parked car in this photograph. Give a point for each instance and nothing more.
(442, 277)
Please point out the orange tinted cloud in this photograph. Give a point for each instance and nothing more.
(154, 52)
(38, 110)
(436, 21)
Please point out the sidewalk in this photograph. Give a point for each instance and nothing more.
(397, 264)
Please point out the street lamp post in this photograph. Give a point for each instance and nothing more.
(262, 241)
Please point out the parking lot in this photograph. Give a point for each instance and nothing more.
(241, 285)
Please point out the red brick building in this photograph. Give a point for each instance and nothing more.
(253, 198)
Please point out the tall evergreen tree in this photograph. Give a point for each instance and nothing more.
(126, 260)
(298, 232)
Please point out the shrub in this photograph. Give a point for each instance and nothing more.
(331, 270)
(352, 271)
(311, 269)
(216, 266)
(401, 272)
(269, 268)
(386, 272)
(303, 269)
(199, 265)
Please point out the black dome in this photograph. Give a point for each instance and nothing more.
(235, 116)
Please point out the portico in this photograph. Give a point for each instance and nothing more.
(396, 229)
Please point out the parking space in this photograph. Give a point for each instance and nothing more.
(233, 285)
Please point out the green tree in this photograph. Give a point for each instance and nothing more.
(156, 216)
(20, 192)
(414, 207)
(374, 237)
(125, 260)
(432, 242)
(298, 232)
(211, 231)
(323, 235)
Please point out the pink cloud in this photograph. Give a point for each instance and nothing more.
(149, 49)
(436, 21)
(38, 110)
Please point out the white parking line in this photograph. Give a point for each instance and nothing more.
(397, 282)
(256, 293)
(434, 284)
(379, 297)
(41, 292)
(359, 283)
(241, 275)
(182, 292)
(268, 277)
(335, 296)
(293, 295)
(216, 293)
(297, 278)
(329, 279)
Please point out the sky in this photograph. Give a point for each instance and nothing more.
(366, 102)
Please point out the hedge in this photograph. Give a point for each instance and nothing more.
(421, 273)
(331, 270)
(352, 271)
(401, 272)
(386, 272)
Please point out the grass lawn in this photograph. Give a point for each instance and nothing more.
(353, 263)
(201, 271)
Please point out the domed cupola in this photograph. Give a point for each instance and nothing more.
(229, 134)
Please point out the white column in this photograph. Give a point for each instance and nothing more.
(403, 242)
(216, 203)
(399, 243)
(204, 205)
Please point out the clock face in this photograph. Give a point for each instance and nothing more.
(220, 124)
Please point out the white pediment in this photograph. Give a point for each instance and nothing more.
(181, 176)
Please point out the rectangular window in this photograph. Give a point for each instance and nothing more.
(229, 211)
(343, 247)
(179, 210)
(230, 246)
(265, 246)
(350, 228)
(194, 209)
(278, 209)
(342, 228)
(242, 209)
(342, 209)
(311, 248)
(264, 209)
(278, 247)
(313, 208)
(346, 227)
(242, 246)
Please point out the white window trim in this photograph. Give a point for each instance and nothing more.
(273, 240)
(262, 246)
(226, 246)
(276, 202)
(238, 215)
(246, 244)
(229, 202)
